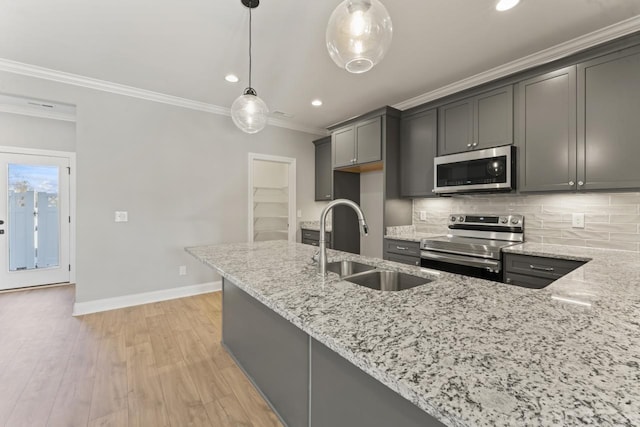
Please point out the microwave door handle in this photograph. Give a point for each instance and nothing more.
(462, 260)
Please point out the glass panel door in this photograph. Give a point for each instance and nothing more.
(34, 209)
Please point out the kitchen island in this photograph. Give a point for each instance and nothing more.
(466, 351)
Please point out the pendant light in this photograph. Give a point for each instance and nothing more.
(248, 112)
(359, 34)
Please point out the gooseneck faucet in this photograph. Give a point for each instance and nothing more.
(364, 229)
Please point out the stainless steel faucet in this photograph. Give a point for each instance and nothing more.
(364, 229)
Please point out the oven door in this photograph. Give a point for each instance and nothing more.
(483, 170)
(484, 268)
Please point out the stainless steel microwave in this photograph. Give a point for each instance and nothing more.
(492, 169)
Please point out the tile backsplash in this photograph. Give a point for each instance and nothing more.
(612, 220)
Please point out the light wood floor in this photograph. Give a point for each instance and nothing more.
(155, 365)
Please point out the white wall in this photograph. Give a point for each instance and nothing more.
(35, 132)
(181, 175)
(372, 204)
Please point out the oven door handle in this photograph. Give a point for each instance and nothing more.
(490, 264)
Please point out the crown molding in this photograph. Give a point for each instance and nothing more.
(38, 72)
(26, 111)
(545, 56)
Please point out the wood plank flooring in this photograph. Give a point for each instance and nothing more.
(154, 365)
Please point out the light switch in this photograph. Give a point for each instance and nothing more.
(423, 215)
(122, 216)
(182, 270)
(577, 220)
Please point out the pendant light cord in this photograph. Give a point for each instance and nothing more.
(249, 47)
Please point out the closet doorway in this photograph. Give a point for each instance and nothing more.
(272, 198)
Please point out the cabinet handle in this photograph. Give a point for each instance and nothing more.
(402, 248)
(571, 183)
(417, 262)
(580, 183)
(475, 144)
(469, 145)
(327, 195)
(508, 280)
(535, 267)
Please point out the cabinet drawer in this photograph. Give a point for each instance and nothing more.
(550, 268)
(525, 281)
(402, 247)
(315, 235)
(404, 259)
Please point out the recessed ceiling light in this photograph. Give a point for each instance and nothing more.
(231, 78)
(506, 5)
(316, 103)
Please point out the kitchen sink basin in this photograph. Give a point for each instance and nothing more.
(347, 268)
(384, 280)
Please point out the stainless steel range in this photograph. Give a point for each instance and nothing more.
(474, 244)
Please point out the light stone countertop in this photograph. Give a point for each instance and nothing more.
(470, 352)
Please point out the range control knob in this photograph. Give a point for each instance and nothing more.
(515, 221)
(453, 219)
(503, 220)
(461, 219)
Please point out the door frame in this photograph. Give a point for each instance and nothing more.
(71, 156)
(292, 192)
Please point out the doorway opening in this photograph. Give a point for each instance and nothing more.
(272, 198)
(35, 217)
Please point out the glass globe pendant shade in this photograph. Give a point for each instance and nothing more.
(249, 113)
(359, 34)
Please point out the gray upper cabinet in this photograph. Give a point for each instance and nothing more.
(482, 121)
(456, 127)
(418, 143)
(369, 141)
(609, 121)
(358, 143)
(547, 131)
(344, 148)
(324, 171)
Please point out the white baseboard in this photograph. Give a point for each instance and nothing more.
(106, 304)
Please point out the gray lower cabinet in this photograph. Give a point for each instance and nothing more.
(481, 121)
(312, 237)
(608, 121)
(344, 396)
(418, 146)
(357, 143)
(273, 353)
(534, 271)
(402, 251)
(324, 169)
(547, 131)
(306, 383)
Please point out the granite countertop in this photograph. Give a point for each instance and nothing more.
(407, 233)
(468, 351)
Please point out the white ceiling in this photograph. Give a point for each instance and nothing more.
(185, 48)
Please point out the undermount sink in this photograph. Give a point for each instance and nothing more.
(347, 268)
(384, 280)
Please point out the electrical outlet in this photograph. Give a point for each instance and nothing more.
(423, 215)
(122, 216)
(182, 270)
(299, 213)
(577, 220)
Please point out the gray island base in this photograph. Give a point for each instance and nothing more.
(458, 351)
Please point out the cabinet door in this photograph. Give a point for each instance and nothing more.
(493, 118)
(455, 129)
(343, 141)
(608, 121)
(324, 171)
(418, 139)
(369, 141)
(547, 131)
